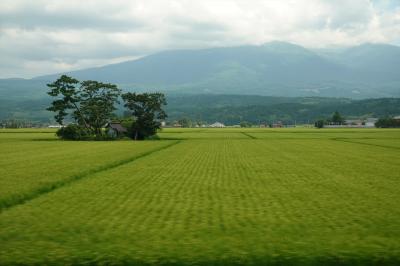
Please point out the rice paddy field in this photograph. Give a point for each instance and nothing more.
(202, 197)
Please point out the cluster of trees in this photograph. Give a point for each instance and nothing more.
(91, 105)
(227, 109)
(336, 119)
(232, 109)
(15, 123)
(186, 122)
(387, 122)
(245, 124)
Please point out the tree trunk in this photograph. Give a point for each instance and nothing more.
(82, 117)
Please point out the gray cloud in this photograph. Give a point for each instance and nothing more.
(43, 36)
(33, 16)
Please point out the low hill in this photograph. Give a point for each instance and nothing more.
(231, 109)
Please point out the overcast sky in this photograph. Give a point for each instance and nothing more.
(49, 36)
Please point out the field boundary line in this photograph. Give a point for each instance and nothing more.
(368, 144)
(248, 135)
(24, 198)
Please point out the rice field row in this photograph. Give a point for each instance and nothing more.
(385, 143)
(29, 167)
(225, 200)
(284, 133)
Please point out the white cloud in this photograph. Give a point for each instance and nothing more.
(44, 36)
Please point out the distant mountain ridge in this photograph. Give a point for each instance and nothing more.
(276, 69)
(272, 69)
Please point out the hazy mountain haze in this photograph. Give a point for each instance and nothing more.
(275, 68)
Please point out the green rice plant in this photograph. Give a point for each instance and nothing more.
(202, 135)
(215, 201)
(30, 167)
(383, 142)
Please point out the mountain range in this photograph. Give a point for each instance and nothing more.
(272, 69)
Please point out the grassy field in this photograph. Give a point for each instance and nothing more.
(202, 196)
(33, 163)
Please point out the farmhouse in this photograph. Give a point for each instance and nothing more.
(356, 122)
(115, 129)
(217, 124)
(370, 122)
(176, 124)
(278, 124)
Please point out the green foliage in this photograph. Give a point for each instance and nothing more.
(147, 111)
(97, 103)
(73, 132)
(245, 124)
(185, 122)
(66, 88)
(387, 122)
(228, 109)
(16, 123)
(89, 103)
(319, 123)
(337, 118)
(231, 109)
(128, 122)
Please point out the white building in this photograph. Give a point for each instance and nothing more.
(370, 122)
(217, 124)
